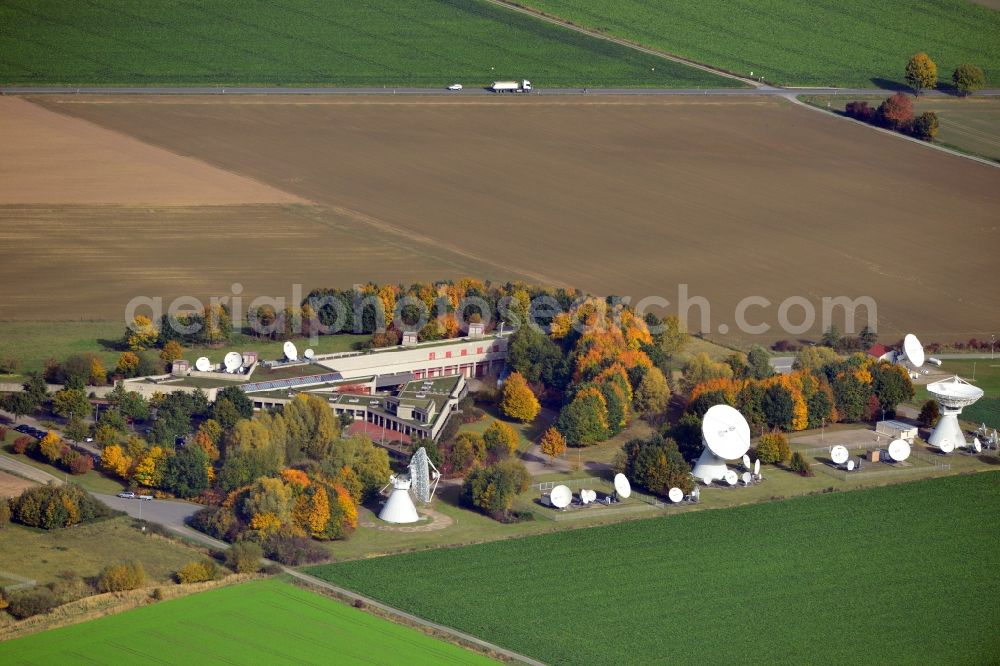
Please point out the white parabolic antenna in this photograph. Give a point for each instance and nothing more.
(424, 476)
(622, 486)
(756, 467)
(726, 435)
(731, 477)
(977, 446)
(399, 507)
(953, 395)
(839, 454)
(850, 465)
(746, 477)
(203, 364)
(913, 350)
(899, 450)
(232, 361)
(309, 354)
(675, 495)
(561, 496)
(746, 462)
(947, 446)
(291, 353)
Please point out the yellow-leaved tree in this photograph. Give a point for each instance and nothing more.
(519, 401)
(553, 443)
(114, 460)
(921, 72)
(319, 512)
(141, 334)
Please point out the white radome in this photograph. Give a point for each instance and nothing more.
(839, 454)
(561, 496)
(899, 450)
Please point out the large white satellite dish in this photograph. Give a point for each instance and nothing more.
(399, 507)
(839, 454)
(561, 496)
(899, 450)
(309, 354)
(622, 486)
(424, 476)
(913, 350)
(731, 478)
(675, 495)
(726, 435)
(953, 395)
(232, 361)
(291, 352)
(203, 364)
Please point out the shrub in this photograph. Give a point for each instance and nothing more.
(966, 77)
(50, 507)
(23, 445)
(800, 465)
(859, 111)
(197, 572)
(929, 414)
(272, 569)
(81, 464)
(31, 602)
(244, 557)
(293, 550)
(896, 112)
(157, 594)
(773, 448)
(501, 440)
(925, 126)
(493, 489)
(216, 522)
(121, 577)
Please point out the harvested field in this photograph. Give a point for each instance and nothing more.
(733, 197)
(12, 486)
(54, 159)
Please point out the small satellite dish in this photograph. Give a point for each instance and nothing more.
(946, 446)
(747, 477)
(913, 350)
(622, 486)
(675, 495)
(756, 467)
(291, 353)
(839, 454)
(588, 496)
(899, 450)
(309, 354)
(561, 496)
(850, 465)
(203, 364)
(746, 461)
(977, 446)
(731, 477)
(233, 361)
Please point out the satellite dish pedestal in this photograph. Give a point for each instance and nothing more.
(399, 507)
(709, 467)
(953, 395)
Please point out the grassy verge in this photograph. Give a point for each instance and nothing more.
(785, 573)
(315, 42)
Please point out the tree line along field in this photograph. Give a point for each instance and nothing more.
(900, 574)
(264, 621)
(316, 42)
(802, 42)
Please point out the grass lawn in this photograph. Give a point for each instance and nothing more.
(259, 622)
(850, 576)
(314, 42)
(971, 125)
(86, 549)
(33, 342)
(801, 42)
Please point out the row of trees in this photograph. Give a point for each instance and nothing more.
(922, 73)
(896, 113)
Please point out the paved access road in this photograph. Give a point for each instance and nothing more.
(220, 90)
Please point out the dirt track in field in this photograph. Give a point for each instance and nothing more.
(734, 197)
(12, 486)
(54, 159)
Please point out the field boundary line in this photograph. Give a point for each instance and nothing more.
(469, 638)
(794, 99)
(542, 16)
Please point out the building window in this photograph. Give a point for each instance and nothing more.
(430, 357)
(479, 350)
(447, 354)
(465, 352)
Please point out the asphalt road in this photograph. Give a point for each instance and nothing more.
(220, 90)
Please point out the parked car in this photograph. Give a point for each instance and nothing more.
(455, 86)
(145, 498)
(127, 494)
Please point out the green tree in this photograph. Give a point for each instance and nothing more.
(75, 429)
(831, 336)
(815, 357)
(186, 473)
(584, 421)
(244, 557)
(240, 400)
(773, 448)
(868, 336)
(921, 72)
(269, 496)
(493, 489)
(674, 337)
(778, 407)
(71, 402)
(657, 465)
(925, 126)
(501, 439)
(758, 363)
(968, 78)
(929, 414)
(19, 404)
(891, 385)
(539, 359)
(701, 368)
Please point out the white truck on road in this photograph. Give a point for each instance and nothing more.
(511, 86)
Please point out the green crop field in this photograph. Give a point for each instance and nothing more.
(802, 42)
(312, 42)
(261, 622)
(901, 574)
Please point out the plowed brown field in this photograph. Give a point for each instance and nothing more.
(630, 196)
